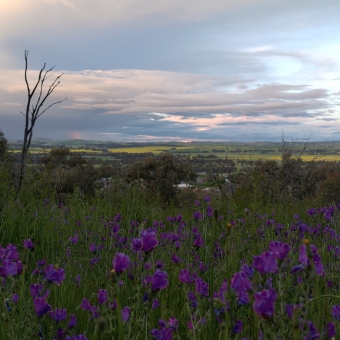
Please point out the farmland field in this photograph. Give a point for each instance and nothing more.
(319, 151)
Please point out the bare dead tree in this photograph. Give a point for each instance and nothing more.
(33, 112)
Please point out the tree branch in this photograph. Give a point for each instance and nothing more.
(58, 102)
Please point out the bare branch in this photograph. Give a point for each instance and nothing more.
(58, 102)
(32, 111)
(28, 87)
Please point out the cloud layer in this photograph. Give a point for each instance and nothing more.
(134, 103)
(137, 70)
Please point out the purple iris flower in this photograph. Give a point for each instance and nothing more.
(243, 297)
(15, 298)
(125, 313)
(94, 261)
(303, 258)
(77, 337)
(313, 332)
(41, 306)
(102, 296)
(336, 312)
(175, 259)
(113, 305)
(74, 239)
(120, 263)
(209, 211)
(155, 304)
(28, 244)
(240, 282)
(185, 276)
(10, 268)
(290, 308)
(266, 263)
(55, 275)
(238, 327)
(85, 305)
(264, 303)
(162, 334)
(319, 268)
(93, 248)
(78, 280)
(149, 241)
(58, 315)
(202, 267)
(72, 322)
(197, 215)
(60, 334)
(330, 330)
(136, 244)
(41, 263)
(37, 290)
(297, 269)
(10, 253)
(222, 292)
(193, 300)
(9, 256)
(202, 287)
(159, 264)
(269, 283)
(159, 280)
(279, 249)
(173, 323)
(147, 265)
(198, 241)
(311, 211)
(248, 270)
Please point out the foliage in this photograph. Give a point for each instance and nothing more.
(291, 180)
(56, 157)
(330, 189)
(160, 174)
(3, 146)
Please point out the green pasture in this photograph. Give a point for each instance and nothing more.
(234, 151)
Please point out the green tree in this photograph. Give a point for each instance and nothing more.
(161, 174)
(3, 146)
(56, 157)
(106, 171)
(330, 189)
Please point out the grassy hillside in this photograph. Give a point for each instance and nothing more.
(119, 268)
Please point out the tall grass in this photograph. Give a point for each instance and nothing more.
(212, 240)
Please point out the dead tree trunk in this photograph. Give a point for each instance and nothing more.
(32, 113)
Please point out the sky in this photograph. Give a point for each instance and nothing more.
(159, 70)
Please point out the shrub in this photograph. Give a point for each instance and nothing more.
(330, 189)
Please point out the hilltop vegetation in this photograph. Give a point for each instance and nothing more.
(116, 251)
(243, 171)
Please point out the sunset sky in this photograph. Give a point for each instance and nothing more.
(160, 70)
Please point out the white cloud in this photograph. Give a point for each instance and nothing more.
(191, 100)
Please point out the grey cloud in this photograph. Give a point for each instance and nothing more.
(327, 119)
(136, 101)
(192, 61)
(269, 123)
